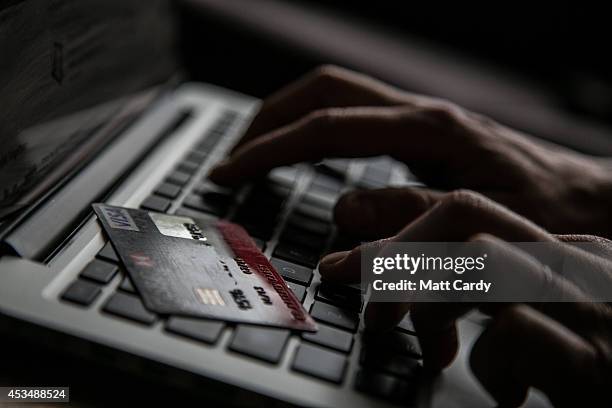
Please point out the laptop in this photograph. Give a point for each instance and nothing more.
(94, 110)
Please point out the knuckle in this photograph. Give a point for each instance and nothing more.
(319, 118)
(323, 118)
(327, 74)
(462, 203)
(444, 113)
(329, 70)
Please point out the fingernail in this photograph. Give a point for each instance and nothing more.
(333, 258)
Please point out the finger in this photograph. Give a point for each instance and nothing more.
(325, 87)
(371, 214)
(345, 267)
(384, 316)
(461, 214)
(339, 132)
(523, 347)
(435, 323)
(581, 259)
(599, 246)
(457, 216)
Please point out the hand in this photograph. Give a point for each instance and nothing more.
(563, 349)
(333, 112)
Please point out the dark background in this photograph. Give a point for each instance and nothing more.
(542, 68)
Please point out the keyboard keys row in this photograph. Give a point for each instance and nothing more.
(177, 179)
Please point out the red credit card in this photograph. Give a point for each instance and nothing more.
(201, 268)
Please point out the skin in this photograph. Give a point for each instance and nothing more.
(504, 187)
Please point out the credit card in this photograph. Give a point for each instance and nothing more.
(205, 268)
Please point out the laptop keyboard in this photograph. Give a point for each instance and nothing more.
(296, 231)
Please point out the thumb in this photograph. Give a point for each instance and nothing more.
(371, 214)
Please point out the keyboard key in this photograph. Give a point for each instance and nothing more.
(178, 177)
(156, 203)
(335, 316)
(331, 337)
(99, 271)
(298, 255)
(126, 285)
(82, 292)
(129, 307)
(108, 253)
(298, 290)
(263, 343)
(292, 272)
(211, 138)
(385, 386)
(340, 295)
(168, 190)
(406, 325)
(207, 331)
(195, 157)
(188, 166)
(320, 363)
